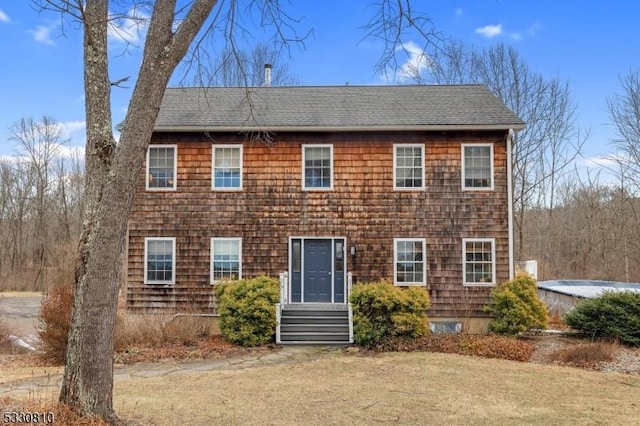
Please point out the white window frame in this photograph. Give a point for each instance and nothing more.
(304, 153)
(212, 251)
(173, 261)
(175, 168)
(395, 166)
(492, 159)
(424, 261)
(213, 167)
(493, 262)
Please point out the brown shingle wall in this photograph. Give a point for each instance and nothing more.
(363, 207)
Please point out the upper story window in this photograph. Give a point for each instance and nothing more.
(317, 167)
(477, 166)
(159, 260)
(408, 167)
(409, 261)
(478, 261)
(226, 259)
(227, 167)
(161, 167)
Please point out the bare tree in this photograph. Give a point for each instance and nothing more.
(624, 110)
(39, 143)
(545, 150)
(113, 168)
(17, 188)
(246, 69)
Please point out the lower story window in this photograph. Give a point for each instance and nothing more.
(226, 259)
(409, 258)
(478, 260)
(159, 260)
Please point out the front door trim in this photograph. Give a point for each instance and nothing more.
(333, 240)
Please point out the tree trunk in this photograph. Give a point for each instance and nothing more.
(112, 172)
(87, 385)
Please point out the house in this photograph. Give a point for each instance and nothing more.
(325, 187)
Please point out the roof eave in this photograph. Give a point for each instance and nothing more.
(254, 128)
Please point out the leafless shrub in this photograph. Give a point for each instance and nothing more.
(5, 332)
(55, 320)
(149, 330)
(586, 355)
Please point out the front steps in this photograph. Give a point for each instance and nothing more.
(309, 324)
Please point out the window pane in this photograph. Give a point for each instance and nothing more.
(317, 167)
(479, 262)
(296, 262)
(226, 259)
(160, 260)
(409, 166)
(161, 167)
(227, 167)
(477, 166)
(409, 261)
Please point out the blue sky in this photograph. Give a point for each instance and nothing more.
(589, 44)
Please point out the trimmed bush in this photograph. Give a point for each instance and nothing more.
(516, 307)
(247, 310)
(613, 315)
(382, 311)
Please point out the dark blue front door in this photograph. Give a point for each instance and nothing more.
(317, 271)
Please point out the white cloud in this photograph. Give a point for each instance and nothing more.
(490, 30)
(71, 152)
(130, 27)
(4, 17)
(42, 34)
(72, 129)
(611, 161)
(458, 12)
(417, 62)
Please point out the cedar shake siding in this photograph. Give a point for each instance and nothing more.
(363, 207)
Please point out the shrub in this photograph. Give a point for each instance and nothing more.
(613, 315)
(55, 320)
(516, 307)
(5, 332)
(480, 345)
(586, 355)
(247, 310)
(382, 311)
(152, 330)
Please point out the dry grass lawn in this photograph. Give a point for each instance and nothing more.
(20, 294)
(408, 388)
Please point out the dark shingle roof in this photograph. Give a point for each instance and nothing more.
(334, 108)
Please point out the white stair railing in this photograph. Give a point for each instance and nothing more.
(349, 286)
(284, 291)
(284, 288)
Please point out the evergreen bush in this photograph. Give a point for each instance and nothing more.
(247, 310)
(516, 307)
(613, 315)
(382, 311)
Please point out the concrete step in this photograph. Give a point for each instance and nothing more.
(313, 320)
(314, 337)
(314, 328)
(312, 313)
